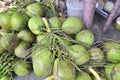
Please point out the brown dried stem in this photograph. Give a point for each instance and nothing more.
(88, 12)
(111, 17)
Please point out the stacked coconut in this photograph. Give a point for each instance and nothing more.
(58, 47)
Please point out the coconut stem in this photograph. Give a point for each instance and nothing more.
(50, 78)
(112, 14)
(94, 73)
(46, 24)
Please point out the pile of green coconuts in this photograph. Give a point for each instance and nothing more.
(54, 48)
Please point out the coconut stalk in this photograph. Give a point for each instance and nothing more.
(94, 73)
(50, 78)
(88, 12)
(111, 16)
(46, 24)
(7, 63)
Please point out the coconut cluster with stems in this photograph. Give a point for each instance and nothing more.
(34, 37)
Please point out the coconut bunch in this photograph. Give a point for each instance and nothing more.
(13, 45)
(17, 38)
(58, 47)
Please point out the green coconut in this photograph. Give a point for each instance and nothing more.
(1, 13)
(43, 61)
(109, 44)
(86, 37)
(6, 77)
(108, 71)
(66, 42)
(11, 10)
(56, 22)
(41, 38)
(1, 48)
(72, 25)
(9, 41)
(101, 78)
(18, 21)
(44, 40)
(3, 32)
(116, 72)
(78, 54)
(112, 51)
(26, 35)
(117, 23)
(97, 55)
(22, 68)
(62, 19)
(83, 76)
(21, 51)
(35, 25)
(35, 9)
(5, 20)
(63, 70)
